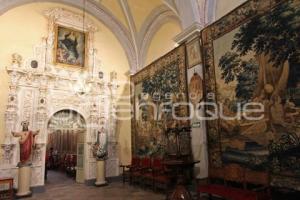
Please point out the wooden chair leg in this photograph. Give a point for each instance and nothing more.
(153, 185)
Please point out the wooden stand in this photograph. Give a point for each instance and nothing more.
(24, 181)
(100, 179)
(179, 167)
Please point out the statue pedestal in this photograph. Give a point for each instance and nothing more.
(24, 181)
(100, 179)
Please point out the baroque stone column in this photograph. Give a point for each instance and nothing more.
(41, 124)
(11, 113)
(113, 160)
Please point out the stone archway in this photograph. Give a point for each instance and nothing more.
(67, 131)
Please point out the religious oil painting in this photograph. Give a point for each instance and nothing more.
(252, 57)
(193, 52)
(155, 90)
(195, 88)
(70, 47)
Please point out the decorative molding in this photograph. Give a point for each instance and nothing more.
(189, 33)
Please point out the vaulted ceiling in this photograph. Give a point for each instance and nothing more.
(132, 12)
(135, 22)
(142, 18)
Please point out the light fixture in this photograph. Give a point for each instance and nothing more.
(81, 86)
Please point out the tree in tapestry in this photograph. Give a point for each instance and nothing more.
(156, 89)
(262, 65)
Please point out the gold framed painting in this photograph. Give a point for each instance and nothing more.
(70, 47)
(193, 53)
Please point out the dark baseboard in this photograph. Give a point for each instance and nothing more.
(38, 189)
(114, 179)
(91, 182)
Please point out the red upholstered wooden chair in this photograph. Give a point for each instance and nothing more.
(127, 169)
(144, 167)
(161, 176)
(135, 166)
(148, 176)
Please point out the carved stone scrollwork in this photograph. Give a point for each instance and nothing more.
(7, 150)
(38, 153)
(36, 94)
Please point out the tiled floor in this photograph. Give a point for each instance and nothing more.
(59, 187)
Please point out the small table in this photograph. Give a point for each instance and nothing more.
(6, 188)
(179, 166)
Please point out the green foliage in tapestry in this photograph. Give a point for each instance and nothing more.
(276, 34)
(244, 72)
(163, 82)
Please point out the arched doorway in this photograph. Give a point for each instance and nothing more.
(65, 145)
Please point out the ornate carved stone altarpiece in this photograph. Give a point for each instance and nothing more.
(36, 94)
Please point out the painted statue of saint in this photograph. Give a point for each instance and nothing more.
(27, 143)
(100, 147)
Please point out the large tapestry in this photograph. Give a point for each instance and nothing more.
(251, 59)
(155, 93)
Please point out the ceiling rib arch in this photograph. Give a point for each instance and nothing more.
(152, 24)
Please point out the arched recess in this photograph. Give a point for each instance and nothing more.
(96, 10)
(67, 131)
(68, 116)
(159, 16)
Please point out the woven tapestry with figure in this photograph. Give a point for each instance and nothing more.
(156, 89)
(252, 55)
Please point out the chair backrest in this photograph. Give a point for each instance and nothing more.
(135, 161)
(146, 162)
(157, 164)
